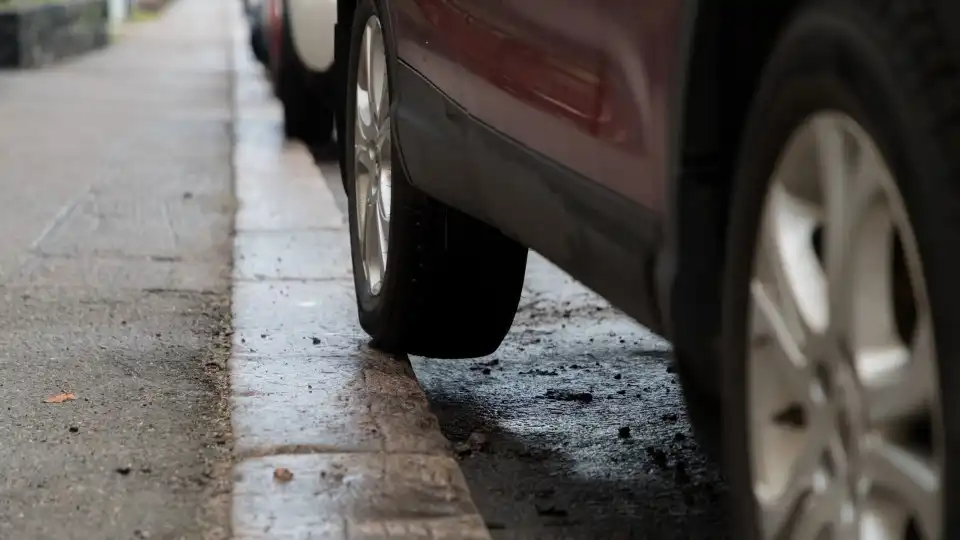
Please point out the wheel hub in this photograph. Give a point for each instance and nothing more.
(841, 400)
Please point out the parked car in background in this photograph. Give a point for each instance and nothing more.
(300, 54)
(774, 186)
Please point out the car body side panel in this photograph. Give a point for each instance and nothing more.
(583, 84)
(565, 108)
(534, 69)
(578, 224)
(598, 236)
(427, 40)
(312, 25)
(428, 82)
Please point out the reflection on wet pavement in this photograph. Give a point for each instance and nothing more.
(575, 428)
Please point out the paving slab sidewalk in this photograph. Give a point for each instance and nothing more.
(115, 261)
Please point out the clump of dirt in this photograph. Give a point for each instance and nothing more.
(475, 443)
(540, 372)
(566, 395)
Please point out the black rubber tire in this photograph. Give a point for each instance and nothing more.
(258, 43)
(307, 111)
(452, 283)
(884, 65)
(703, 408)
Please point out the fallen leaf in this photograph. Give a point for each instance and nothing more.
(61, 397)
(282, 474)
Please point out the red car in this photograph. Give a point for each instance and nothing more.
(773, 186)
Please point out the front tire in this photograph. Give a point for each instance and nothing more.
(429, 279)
(840, 296)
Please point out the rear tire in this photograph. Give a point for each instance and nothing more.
(307, 110)
(883, 67)
(258, 44)
(451, 284)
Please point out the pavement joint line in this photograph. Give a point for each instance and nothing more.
(313, 450)
(149, 290)
(62, 215)
(287, 230)
(366, 452)
(117, 256)
(293, 280)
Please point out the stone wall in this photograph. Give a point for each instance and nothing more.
(34, 34)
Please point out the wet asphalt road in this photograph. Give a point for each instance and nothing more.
(575, 428)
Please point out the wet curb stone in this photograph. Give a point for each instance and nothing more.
(32, 35)
(333, 439)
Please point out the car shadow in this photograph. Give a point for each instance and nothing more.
(544, 461)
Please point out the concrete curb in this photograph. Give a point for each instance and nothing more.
(333, 439)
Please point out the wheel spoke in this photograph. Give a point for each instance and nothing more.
(363, 174)
(383, 205)
(383, 229)
(780, 510)
(370, 55)
(908, 479)
(366, 121)
(777, 347)
(384, 134)
(847, 524)
(366, 129)
(900, 384)
(365, 162)
(819, 512)
(850, 171)
(789, 265)
(378, 72)
(374, 246)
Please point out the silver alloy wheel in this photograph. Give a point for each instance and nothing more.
(372, 155)
(845, 427)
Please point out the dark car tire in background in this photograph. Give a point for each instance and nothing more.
(258, 41)
(307, 109)
(881, 73)
(451, 284)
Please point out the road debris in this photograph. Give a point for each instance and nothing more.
(61, 398)
(564, 395)
(541, 372)
(282, 475)
(551, 511)
(476, 442)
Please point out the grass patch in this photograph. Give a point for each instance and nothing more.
(142, 15)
